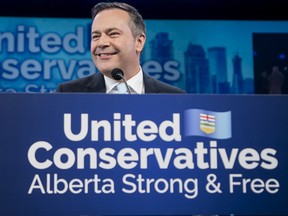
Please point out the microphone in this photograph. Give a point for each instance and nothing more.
(118, 74)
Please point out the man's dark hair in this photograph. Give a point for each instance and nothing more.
(136, 22)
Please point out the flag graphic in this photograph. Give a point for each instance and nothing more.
(207, 123)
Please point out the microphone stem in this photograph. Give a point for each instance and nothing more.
(128, 87)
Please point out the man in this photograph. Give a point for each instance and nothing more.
(118, 37)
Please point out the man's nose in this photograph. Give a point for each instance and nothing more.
(103, 41)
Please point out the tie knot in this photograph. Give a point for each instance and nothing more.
(120, 88)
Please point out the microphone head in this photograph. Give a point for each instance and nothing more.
(117, 74)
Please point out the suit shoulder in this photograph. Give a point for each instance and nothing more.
(157, 86)
(166, 88)
(78, 85)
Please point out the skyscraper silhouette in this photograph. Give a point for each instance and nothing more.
(237, 85)
(196, 69)
(218, 69)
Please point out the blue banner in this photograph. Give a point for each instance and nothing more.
(94, 154)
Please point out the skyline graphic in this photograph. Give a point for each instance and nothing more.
(204, 71)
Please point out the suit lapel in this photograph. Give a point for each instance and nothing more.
(96, 83)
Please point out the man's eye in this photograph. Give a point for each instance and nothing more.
(95, 37)
(114, 34)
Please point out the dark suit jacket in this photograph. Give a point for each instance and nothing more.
(96, 83)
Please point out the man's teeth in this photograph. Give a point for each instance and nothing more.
(105, 54)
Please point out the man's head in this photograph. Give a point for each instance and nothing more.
(136, 21)
(118, 37)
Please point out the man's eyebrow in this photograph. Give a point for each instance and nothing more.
(106, 30)
(95, 32)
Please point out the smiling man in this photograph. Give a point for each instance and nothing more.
(117, 40)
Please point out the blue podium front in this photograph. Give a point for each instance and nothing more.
(94, 154)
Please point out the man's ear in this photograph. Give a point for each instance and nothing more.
(140, 42)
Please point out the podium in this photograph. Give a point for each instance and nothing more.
(98, 154)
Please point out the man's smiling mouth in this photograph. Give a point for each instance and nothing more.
(105, 54)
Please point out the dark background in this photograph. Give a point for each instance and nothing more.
(270, 49)
(155, 9)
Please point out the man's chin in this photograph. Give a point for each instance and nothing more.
(107, 71)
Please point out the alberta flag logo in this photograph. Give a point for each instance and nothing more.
(207, 123)
(216, 125)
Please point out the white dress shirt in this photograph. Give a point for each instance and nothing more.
(135, 83)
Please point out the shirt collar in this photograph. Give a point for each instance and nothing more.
(136, 83)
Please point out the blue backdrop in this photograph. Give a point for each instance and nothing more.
(36, 54)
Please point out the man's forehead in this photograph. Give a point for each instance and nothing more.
(110, 19)
(110, 14)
